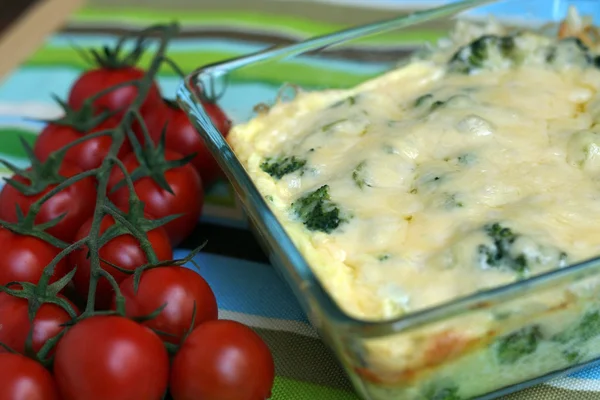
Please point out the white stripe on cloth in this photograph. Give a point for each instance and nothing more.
(256, 321)
(590, 385)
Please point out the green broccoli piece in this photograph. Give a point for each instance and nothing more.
(317, 211)
(451, 202)
(516, 345)
(358, 175)
(483, 53)
(572, 356)
(280, 166)
(467, 159)
(587, 328)
(348, 100)
(569, 51)
(499, 254)
(442, 393)
(426, 99)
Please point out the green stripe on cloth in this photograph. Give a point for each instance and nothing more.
(304, 358)
(267, 73)
(290, 389)
(11, 142)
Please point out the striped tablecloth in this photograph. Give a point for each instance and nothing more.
(247, 288)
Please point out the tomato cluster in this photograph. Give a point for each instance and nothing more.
(136, 324)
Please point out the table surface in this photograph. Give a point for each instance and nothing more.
(25, 24)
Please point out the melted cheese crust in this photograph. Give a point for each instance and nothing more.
(517, 146)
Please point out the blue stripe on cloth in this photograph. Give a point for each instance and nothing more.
(23, 86)
(592, 373)
(247, 287)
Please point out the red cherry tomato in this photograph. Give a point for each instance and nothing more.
(15, 325)
(96, 80)
(110, 357)
(123, 251)
(25, 379)
(182, 137)
(222, 360)
(188, 197)
(177, 287)
(155, 117)
(25, 257)
(87, 155)
(76, 202)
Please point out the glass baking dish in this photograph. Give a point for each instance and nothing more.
(377, 354)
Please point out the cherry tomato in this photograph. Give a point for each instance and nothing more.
(87, 155)
(15, 325)
(155, 117)
(76, 202)
(177, 287)
(110, 357)
(101, 78)
(188, 197)
(25, 257)
(123, 251)
(222, 360)
(25, 379)
(182, 137)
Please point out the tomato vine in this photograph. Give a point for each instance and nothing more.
(44, 174)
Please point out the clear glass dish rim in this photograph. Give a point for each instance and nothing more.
(188, 96)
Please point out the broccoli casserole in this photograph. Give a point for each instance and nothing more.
(472, 166)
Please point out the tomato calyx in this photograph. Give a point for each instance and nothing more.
(25, 226)
(137, 275)
(153, 163)
(81, 120)
(115, 57)
(133, 222)
(39, 176)
(36, 296)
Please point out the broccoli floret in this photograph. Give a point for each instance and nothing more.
(317, 211)
(280, 166)
(483, 52)
(467, 159)
(492, 51)
(572, 356)
(426, 99)
(569, 51)
(348, 100)
(358, 175)
(516, 345)
(498, 254)
(587, 328)
(451, 202)
(438, 392)
(510, 251)
(463, 159)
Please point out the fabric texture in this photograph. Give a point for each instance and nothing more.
(246, 286)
